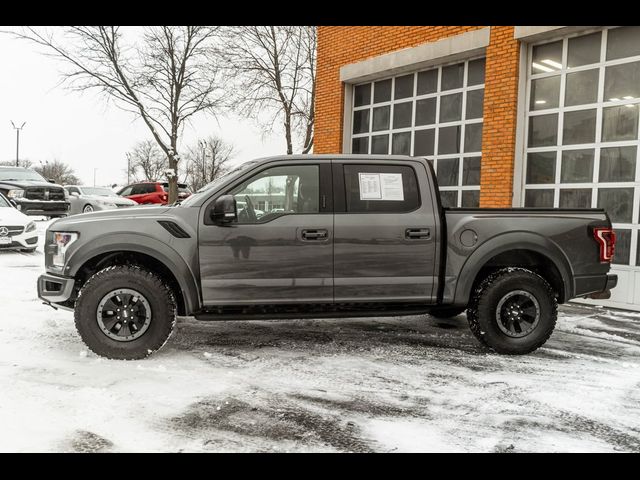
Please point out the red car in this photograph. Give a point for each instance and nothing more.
(152, 192)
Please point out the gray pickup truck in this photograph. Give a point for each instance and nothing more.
(323, 236)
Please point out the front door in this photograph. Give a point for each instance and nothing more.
(385, 233)
(280, 250)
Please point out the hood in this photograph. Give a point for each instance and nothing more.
(11, 216)
(68, 223)
(29, 183)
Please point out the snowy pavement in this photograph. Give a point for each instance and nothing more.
(360, 385)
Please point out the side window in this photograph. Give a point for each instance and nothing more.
(381, 188)
(277, 191)
(151, 188)
(74, 190)
(125, 191)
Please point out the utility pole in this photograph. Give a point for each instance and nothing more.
(94, 176)
(17, 129)
(128, 167)
(203, 146)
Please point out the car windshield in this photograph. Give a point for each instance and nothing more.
(4, 202)
(20, 174)
(217, 182)
(103, 192)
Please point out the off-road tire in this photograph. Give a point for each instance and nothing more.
(446, 312)
(483, 307)
(159, 296)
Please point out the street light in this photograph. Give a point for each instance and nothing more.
(17, 129)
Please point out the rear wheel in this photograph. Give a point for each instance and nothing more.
(125, 312)
(87, 208)
(513, 311)
(446, 312)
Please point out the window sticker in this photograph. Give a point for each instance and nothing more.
(381, 186)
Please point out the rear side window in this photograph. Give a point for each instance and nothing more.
(381, 188)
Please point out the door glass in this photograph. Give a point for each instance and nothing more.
(291, 189)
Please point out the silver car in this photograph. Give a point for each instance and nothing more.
(91, 199)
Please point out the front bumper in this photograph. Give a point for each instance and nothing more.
(23, 240)
(35, 207)
(54, 288)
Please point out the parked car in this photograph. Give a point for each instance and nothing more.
(17, 231)
(152, 192)
(33, 194)
(91, 199)
(359, 235)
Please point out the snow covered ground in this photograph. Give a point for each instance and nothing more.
(384, 385)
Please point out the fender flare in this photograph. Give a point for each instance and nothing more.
(121, 242)
(513, 241)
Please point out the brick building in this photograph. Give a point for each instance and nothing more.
(510, 116)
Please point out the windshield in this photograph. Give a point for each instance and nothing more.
(20, 174)
(217, 182)
(4, 202)
(103, 192)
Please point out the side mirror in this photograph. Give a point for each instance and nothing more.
(224, 210)
(51, 180)
(13, 202)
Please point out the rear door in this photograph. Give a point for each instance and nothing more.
(385, 231)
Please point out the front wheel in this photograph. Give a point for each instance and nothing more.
(513, 311)
(125, 312)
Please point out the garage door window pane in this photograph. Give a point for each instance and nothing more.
(475, 75)
(541, 167)
(547, 58)
(471, 171)
(582, 87)
(452, 77)
(402, 143)
(402, 114)
(623, 247)
(473, 137)
(539, 198)
(380, 144)
(382, 91)
(426, 111)
(451, 108)
(449, 140)
(623, 42)
(404, 87)
(622, 82)
(361, 121)
(448, 172)
(545, 93)
(543, 130)
(584, 50)
(360, 145)
(423, 142)
(577, 166)
(617, 164)
(575, 198)
(617, 202)
(475, 103)
(620, 123)
(381, 118)
(449, 198)
(471, 198)
(427, 82)
(579, 127)
(362, 95)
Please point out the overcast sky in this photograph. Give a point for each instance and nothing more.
(82, 130)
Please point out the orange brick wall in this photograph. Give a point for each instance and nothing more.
(338, 46)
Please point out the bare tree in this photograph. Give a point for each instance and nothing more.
(58, 171)
(166, 76)
(273, 70)
(206, 160)
(147, 162)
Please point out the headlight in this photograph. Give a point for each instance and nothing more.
(62, 240)
(30, 227)
(18, 193)
(105, 203)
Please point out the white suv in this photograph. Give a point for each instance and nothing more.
(16, 229)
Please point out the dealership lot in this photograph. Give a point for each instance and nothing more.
(387, 384)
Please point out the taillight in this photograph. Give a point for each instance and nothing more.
(606, 238)
(164, 198)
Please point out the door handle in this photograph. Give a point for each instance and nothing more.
(314, 234)
(416, 233)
